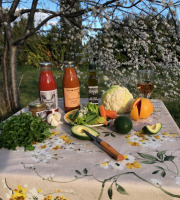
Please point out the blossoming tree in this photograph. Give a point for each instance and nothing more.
(100, 16)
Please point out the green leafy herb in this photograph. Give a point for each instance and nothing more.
(21, 130)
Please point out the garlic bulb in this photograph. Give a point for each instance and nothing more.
(54, 118)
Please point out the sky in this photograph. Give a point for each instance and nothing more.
(50, 5)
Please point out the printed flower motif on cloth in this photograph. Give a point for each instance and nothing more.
(44, 152)
(23, 193)
(129, 163)
(153, 141)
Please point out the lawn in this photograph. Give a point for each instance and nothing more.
(28, 88)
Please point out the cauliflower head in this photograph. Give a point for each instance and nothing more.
(118, 99)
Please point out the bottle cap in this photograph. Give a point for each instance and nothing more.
(45, 64)
(92, 66)
(69, 63)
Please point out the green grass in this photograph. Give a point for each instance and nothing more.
(28, 79)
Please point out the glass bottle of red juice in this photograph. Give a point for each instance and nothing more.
(48, 88)
(71, 91)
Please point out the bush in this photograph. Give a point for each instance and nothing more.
(174, 109)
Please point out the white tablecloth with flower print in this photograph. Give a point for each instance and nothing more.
(64, 167)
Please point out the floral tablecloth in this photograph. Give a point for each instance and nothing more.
(64, 167)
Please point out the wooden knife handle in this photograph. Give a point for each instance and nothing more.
(110, 150)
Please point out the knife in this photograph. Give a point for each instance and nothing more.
(106, 147)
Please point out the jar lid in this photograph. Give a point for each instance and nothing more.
(45, 64)
(37, 104)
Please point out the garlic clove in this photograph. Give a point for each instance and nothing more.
(54, 123)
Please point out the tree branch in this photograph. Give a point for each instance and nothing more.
(13, 7)
(33, 30)
(31, 15)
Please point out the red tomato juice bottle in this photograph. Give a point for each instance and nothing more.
(48, 88)
(71, 91)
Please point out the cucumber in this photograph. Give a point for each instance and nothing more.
(77, 132)
(152, 129)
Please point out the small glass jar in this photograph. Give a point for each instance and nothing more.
(38, 109)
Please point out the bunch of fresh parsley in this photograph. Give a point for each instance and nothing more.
(22, 130)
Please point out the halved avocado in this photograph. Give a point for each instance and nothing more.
(77, 131)
(155, 128)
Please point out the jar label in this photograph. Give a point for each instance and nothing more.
(42, 114)
(50, 98)
(93, 94)
(71, 97)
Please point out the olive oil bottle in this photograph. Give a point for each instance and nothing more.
(93, 84)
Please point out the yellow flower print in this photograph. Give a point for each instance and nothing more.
(53, 133)
(140, 133)
(127, 137)
(49, 197)
(55, 148)
(19, 193)
(125, 157)
(157, 137)
(129, 166)
(133, 165)
(104, 164)
(136, 165)
(141, 140)
(134, 143)
(168, 134)
(43, 146)
(165, 133)
(60, 198)
(174, 135)
(39, 190)
(66, 139)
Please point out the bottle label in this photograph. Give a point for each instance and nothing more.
(50, 98)
(71, 97)
(41, 114)
(93, 94)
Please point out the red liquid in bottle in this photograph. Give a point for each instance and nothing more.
(48, 88)
(71, 91)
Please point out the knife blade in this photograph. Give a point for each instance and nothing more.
(106, 147)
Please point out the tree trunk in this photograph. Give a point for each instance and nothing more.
(14, 82)
(3, 112)
(5, 76)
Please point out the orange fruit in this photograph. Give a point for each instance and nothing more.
(134, 113)
(141, 108)
(146, 108)
(134, 102)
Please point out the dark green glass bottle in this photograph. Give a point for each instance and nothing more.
(93, 84)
